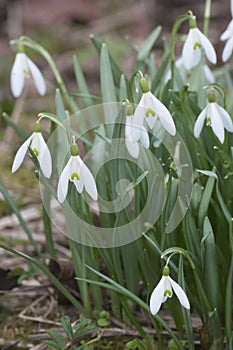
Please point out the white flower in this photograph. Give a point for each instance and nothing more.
(164, 290)
(40, 149)
(150, 108)
(22, 68)
(227, 35)
(183, 72)
(217, 117)
(130, 129)
(78, 173)
(194, 42)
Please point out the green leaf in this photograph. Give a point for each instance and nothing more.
(81, 82)
(58, 338)
(106, 78)
(52, 344)
(207, 193)
(19, 131)
(65, 321)
(148, 44)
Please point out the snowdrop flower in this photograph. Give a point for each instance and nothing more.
(37, 143)
(78, 173)
(228, 35)
(22, 69)
(164, 290)
(150, 108)
(216, 116)
(184, 72)
(130, 129)
(195, 41)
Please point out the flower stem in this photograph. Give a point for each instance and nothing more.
(207, 17)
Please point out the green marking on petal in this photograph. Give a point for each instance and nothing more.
(75, 176)
(26, 73)
(150, 112)
(35, 151)
(208, 121)
(197, 45)
(167, 292)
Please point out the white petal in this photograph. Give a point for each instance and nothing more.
(44, 156)
(19, 157)
(133, 148)
(37, 77)
(226, 119)
(78, 185)
(187, 52)
(227, 51)
(180, 294)
(157, 296)
(17, 74)
(228, 32)
(88, 180)
(137, 119)
(144, 138)
(208, 74)
(196, 56)
(216, 122)
(164, 116)
(200, 122)
(207, 46)
(63, 182)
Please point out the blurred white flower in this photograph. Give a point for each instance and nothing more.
(217, 117)
(130, 129)
(195, 41)
(164, 290)
(23, 68)
(150, 108)
(78, 173)
(227, 35)
(38, 145)
(183, 72)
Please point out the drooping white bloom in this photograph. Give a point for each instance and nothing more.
(183, 72)
(195, 41)
(40, 149)
(227, 35)
(151, 109)
(217, 117)
(23, 68)
(130, 129)
(164, 290)
(78, 173)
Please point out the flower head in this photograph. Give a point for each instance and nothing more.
(216, 116)
(195, 41)
(78, 173)
(164, 290)
(227, 35)
(150, 108)
(37, 143)
(23, 68)
(130, 129)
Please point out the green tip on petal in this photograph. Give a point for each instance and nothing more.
(37, 126)
(192, 22)
(144, 85)
(166, 271)
(74, 149)
(211, 97)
